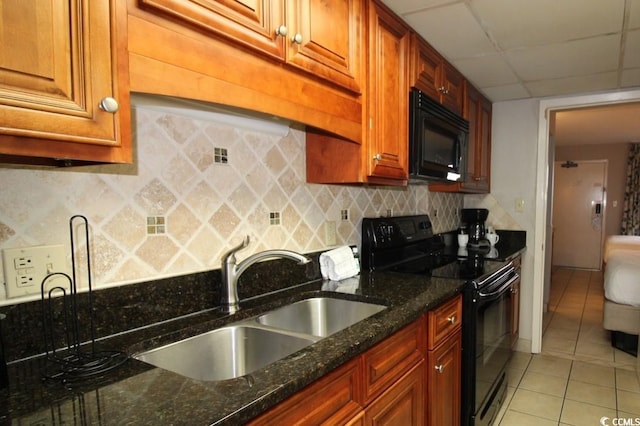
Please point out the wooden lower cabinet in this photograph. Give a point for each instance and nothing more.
(334, 399)
(443, 378)
(515, 303)
(401, 381)
(402, 404)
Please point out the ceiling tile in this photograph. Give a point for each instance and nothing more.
(506, 93)
(519, 23)
(570, 85)
(566, 59)
(487, 71)
(452, 30)
(632, 50)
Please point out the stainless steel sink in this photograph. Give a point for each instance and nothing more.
(249, 345)
(319, 316)
(225, 353)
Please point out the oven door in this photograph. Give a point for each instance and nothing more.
(488, 344)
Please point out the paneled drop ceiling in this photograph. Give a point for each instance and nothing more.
(516, 49)
(513, 49)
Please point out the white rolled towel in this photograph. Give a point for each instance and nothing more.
(338, 264)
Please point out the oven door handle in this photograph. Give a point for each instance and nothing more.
(502, 288)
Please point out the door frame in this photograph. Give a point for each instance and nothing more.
(546, 106)
(605, 162)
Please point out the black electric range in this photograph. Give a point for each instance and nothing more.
(406, 244)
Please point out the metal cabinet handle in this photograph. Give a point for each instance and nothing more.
(109, 104)
(440, 368)
(452, 319)
(282, 30)
(297, 38)
(377, 157)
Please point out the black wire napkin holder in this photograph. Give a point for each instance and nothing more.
(68, 358)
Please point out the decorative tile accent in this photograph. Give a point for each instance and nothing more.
(209, 209)
(155, 225)
(274, 218)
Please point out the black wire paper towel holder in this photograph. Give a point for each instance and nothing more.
(68, 358)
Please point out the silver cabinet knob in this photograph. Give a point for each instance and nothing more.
(297, 38)
(109, 104)
(440, 368)
(452, 319)
(377, 157)
(282, 30)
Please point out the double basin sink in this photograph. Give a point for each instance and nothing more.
(243, 347)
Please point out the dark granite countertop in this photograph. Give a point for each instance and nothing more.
(510, 245)
(137, 393)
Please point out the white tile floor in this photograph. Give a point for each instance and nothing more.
(578, 379)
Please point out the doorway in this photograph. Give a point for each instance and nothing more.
(578, 213)
(543, 192)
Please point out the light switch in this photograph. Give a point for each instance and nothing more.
(519, 205)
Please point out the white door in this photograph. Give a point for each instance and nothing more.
(578, 213)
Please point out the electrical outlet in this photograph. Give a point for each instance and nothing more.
(26, 267)
(330, 233)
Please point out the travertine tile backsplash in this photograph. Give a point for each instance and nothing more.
(258, 188)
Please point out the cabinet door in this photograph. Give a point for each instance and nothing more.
(443, 392)
(325, 39)
(251, 23)
(471, 109)
(515, 303)
(452, 88)
(426, 67)
(388, 92)
(58, 61)
(402, 404)
(483, 164)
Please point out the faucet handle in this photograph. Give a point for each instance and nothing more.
(229, 256)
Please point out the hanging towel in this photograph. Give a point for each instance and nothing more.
(338, 264)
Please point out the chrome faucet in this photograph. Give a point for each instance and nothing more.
(231, 271)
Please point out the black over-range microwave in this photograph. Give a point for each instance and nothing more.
(437, 140)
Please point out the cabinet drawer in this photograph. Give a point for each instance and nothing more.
(386, 362)
(443, 320)
(333, 399)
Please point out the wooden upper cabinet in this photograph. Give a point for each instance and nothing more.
(58, 62)
(388, 95)
(319, 37)
(251, 23)
(432, 74)
(477, 110)
(324, 38)
(382, 157)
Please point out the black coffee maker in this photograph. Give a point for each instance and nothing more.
(474, 222)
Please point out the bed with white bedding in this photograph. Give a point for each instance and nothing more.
(622, 291)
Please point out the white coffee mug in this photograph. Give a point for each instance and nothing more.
(493, 239)
(463, 239)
